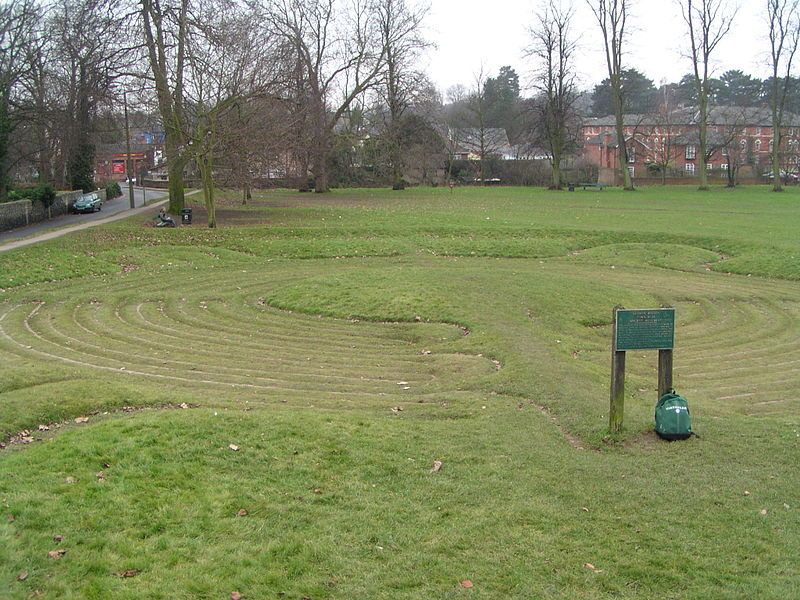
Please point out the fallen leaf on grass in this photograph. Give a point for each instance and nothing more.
(467, 584)
(11, 518)
(183, 405)
(746, 493)
(233, 447)
(317, 490)
(44, 428)
(236, 596)
(128, 573)
(58, 539)
(763, 511)
(22, 576)
(82, 420)
(56, 554)
(100, 476)
(437, 466)
(242, 513)
(397, 409)
(592, 568)
(70, 480)
(584, 509)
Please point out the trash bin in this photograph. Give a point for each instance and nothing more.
(186, 216)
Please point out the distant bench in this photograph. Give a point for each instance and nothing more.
(599, 186)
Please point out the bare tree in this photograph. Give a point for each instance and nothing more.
(783, 17)
(339, 56)
(90, 54)
(227, 65)
(479, 138)
(165, 26)
(400, 35)
(662, 137)
(554, 48)
(708, 21)
(612, 16)
(18, 21)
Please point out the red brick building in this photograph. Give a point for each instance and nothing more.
(667, 144)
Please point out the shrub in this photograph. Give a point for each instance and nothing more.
(113, 190)
(43, 193)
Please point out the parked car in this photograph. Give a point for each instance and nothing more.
(87, 203)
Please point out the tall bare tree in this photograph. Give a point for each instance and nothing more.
(89, 56)
(401, 36)
(783, 17)
(228, 64)
(18, 21)
(165, 26)
(339, 56)
(708, 22)
(612, 17)
(555, 79)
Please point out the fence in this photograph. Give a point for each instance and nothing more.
(21, 213)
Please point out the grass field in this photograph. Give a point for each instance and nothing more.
(327, 350)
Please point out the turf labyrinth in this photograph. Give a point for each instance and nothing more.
(738, 343)
(232, 340)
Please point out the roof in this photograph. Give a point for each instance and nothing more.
(717, 115)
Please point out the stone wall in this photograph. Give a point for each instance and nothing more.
(21, 213)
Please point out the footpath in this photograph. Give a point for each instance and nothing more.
(61, 231)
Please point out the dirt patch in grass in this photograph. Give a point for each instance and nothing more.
(646, 440)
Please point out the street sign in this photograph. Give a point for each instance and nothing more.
(651, 329)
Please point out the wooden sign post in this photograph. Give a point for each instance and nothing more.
(648, 329)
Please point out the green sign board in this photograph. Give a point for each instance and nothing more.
(651, 329)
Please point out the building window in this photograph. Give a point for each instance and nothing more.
(689, 168)
(632, 171)
(758, 145)
(691, 152)
(743, 144)
(725, 151)
(724, 166)
(631, 155)
(771, 145)
(758, 130)
(709, 167)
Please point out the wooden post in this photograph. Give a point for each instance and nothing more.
(617, 407)
(664, 372)
(129, 160)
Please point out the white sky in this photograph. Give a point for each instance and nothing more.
(493, 33)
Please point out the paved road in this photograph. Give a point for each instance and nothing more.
(117, 208)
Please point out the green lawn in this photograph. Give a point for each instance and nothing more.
(345, 342)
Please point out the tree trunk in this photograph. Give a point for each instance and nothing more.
(703, 140)
(176, 163)
(321, 184)
(5, 131)
(775, 155)
(556, 171)
(204, 166)
(622, 147)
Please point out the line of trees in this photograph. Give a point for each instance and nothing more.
(325, 89)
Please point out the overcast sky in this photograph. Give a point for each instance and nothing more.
(493, 33)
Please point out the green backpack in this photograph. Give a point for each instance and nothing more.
(673, 421)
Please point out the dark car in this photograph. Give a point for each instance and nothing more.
(87, 203)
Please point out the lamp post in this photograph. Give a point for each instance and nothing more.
(129, 159)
